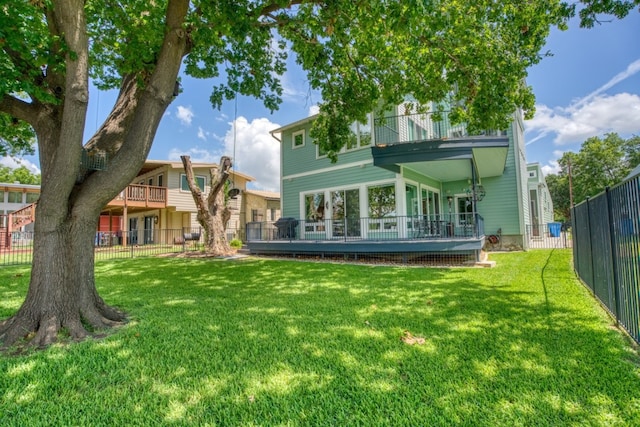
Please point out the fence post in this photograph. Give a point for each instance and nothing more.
(614, 257)
(592, 278)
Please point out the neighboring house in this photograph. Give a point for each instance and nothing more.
(156, 208)
(540, 203)
(408, 182)
(14, 197)
(261, 206)
(159, 199)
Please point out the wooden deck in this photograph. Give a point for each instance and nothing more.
(141, 196)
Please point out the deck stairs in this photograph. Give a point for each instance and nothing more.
(14, 221)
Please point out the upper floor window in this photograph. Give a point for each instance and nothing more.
(360, 135)
(160, 179)
(298, 139)
(150, 181)
(1, 196)
(184, 186)
(533, 174)
(14, 197)
(32, 197)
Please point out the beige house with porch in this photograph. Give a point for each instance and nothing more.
(159, 199)
(156, 208)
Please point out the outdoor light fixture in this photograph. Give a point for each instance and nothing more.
(480, 192)
(233, 193)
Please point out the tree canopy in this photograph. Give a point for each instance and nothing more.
(601, 162)
(355, 53)
(21, 174)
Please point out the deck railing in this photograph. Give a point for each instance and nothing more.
(142, 196)
(422, 127)
(436, 227)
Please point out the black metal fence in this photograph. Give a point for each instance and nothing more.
(549, 236)
(606, 251)
(17, 248)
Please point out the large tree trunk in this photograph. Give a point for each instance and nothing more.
(62, 292)
(213, 213)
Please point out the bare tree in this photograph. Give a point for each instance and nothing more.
(213, 212)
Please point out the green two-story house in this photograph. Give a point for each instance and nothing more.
(408, 183)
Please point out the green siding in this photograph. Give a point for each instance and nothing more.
(339, 178)
(499, 208)
(303, 159)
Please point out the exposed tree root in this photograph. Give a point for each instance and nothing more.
(43, 331)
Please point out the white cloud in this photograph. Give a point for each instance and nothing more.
(14, 163)
(197, 155)
(592, 115)
(202, 134)
(313, 110)
(631, 69)
(553, 167)
(256, 152)
(185, 115)
(601, 114)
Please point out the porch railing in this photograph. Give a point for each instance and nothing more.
(435, 227)
(422, 127)
(141, 196)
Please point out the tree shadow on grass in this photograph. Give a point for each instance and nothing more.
(290, 343)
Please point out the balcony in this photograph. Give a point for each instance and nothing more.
(423, 127)
(141, 196)
(431, 145)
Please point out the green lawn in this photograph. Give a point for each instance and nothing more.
(272, 342)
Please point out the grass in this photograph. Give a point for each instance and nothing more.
(285, 343)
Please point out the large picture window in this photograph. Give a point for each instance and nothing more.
(382, 201)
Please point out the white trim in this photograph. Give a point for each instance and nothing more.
(293, 139)
(330, 169)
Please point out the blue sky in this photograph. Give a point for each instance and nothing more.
(590, 86)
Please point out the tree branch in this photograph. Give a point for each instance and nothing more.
(220, 179)
(19, 109)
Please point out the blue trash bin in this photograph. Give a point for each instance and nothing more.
(554, 229)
